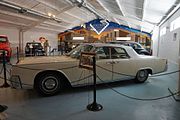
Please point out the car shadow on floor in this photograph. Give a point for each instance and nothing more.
(32, 94)
(99, 86)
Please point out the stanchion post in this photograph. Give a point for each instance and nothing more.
(179, 78)
(94, 106)
(4, 67)
(17, 49)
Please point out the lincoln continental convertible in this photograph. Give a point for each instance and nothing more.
(49, 75)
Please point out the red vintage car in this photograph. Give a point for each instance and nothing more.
(5, 46)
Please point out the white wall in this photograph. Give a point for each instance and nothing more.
(168, 48)
(155, 41)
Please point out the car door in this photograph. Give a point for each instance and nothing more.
(122, 64)
(80, 76)
(103, 64)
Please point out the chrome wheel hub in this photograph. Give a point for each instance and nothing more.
(50, 83)
(142, 74)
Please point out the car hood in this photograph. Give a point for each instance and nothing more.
(46, 59)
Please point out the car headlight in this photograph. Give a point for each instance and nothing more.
(1, 52)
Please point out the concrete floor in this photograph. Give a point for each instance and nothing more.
(71, 105)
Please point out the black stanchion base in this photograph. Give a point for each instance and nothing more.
(5, 85)
(94, 107)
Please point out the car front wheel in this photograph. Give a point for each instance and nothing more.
(141, 76)
(48, 84)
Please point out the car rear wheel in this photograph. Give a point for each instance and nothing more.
(141, 76)
(48, 84)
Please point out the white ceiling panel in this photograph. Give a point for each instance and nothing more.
(24, 3)
(45, 9)
(80, 14)
(132, 8)
(154, 10)
(111, 6)
(6, 17)
(139, 14)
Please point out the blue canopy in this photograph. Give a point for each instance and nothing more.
(112, 25)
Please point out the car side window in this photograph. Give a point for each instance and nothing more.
(102, 53)
(118, 53)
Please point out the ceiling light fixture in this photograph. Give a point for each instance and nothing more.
(22, 10)
(49, 14)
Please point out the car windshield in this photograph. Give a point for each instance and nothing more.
(35, 45)
(2, 39)
(75, 53)
(135, 45)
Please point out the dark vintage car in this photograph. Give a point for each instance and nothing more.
(5, 46)
(136, 46)
(34, 49)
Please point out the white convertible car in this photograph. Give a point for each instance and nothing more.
(50, 74)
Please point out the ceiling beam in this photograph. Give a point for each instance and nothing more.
(109, 12)
(130, 20)
(24, 27)
(50, 29)
(18, 15)
(28, 11)
(103, 6)
(87, 6)
(169, 14)
(57, 9)
(48, 5)
(144, 6)
(11, 22)
(120, 7)
(54, 24)
(32, 25)
(76, 17)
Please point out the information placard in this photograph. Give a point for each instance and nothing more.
(86, 60)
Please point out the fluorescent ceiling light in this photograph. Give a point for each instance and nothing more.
(53, 16)
(49, 14)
